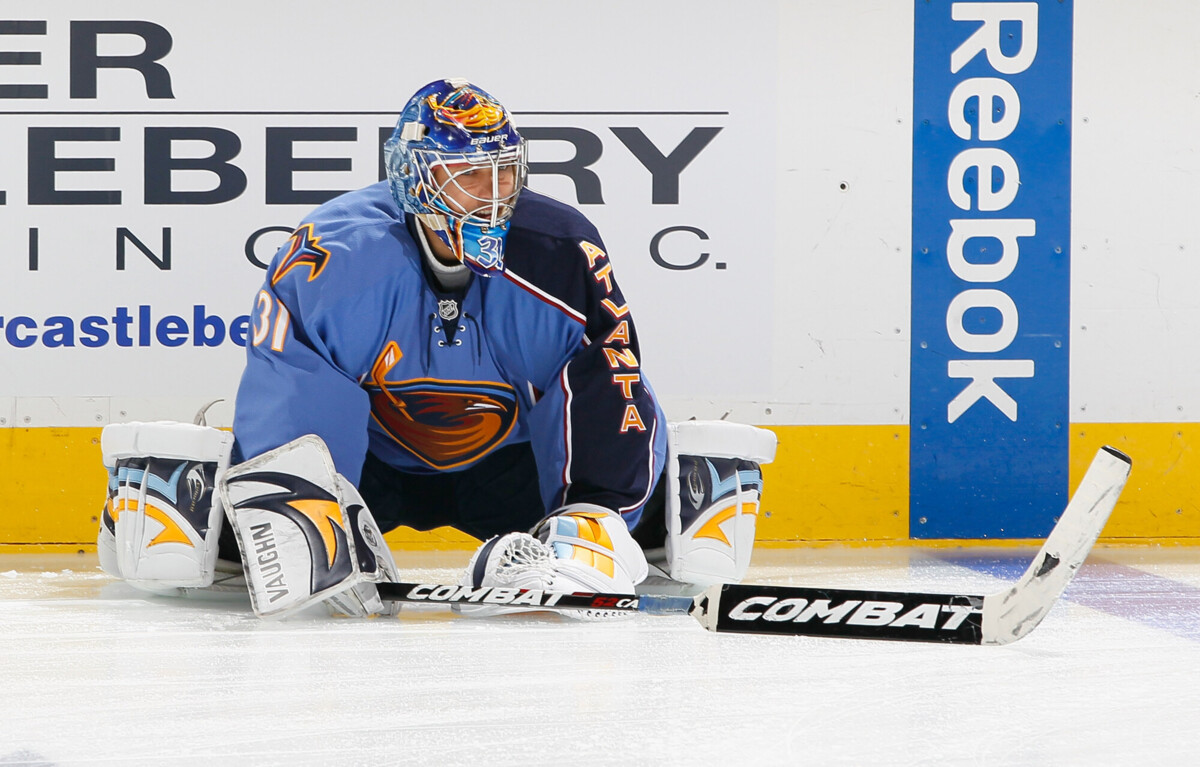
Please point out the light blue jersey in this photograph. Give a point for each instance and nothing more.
(353, 341)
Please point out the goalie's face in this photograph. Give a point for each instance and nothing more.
(476, 193)
(472, 199)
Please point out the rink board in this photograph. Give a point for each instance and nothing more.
(770, 265)
(846, 484)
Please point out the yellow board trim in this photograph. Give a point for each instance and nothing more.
(836, 483)
(1162, 498)
(844, 485)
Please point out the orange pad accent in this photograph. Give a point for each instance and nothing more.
(712, 528)
(326, 515)
(171, 533)
(590, 529)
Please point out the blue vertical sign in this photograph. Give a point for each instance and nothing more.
(991, 279)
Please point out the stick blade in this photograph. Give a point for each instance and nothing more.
(908, 616)
(1014, 612)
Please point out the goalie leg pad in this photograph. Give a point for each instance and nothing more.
(162, 518)
(712, 498)
(296, 534)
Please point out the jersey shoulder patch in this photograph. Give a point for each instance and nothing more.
(303, 250)
(356, 239)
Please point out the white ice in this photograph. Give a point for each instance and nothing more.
(91, 672)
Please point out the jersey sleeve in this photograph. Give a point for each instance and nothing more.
(301, 365)
(598, 431)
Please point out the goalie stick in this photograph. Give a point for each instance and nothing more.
(992, 619)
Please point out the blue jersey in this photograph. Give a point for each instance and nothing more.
(354, 342)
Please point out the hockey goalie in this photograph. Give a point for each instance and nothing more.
(445, 347)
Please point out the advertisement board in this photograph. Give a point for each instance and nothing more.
(154, 160)
(991, 281)
(941, 314)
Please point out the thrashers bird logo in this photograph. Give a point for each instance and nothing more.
(445, 423)
(315, 512)
(470, 110)
(304, 249)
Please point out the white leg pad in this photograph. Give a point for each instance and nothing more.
(162, 519)
(297, 540)
(712, 498)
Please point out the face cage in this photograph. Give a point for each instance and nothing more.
(488, 212)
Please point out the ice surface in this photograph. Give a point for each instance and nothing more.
(92, 672)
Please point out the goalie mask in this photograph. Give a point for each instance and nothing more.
(456, 162)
